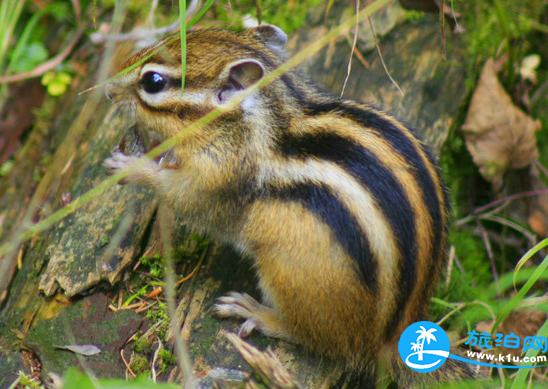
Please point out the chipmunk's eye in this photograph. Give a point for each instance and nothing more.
(153, 82)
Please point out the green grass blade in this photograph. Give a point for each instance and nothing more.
(328, 8)
(9, 16)
(510, 305)
(521, 377)
(528, 255)
(22, 41)
(182, 36)
(199, 15)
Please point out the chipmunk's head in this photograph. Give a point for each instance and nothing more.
(219, 65)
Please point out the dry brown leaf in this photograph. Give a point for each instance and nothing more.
(498, 134)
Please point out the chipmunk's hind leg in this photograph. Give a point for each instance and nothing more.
(257, 316)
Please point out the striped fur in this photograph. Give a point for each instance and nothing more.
(338, 204)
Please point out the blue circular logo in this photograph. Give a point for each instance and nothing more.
(424, 346)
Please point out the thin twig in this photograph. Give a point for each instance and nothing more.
(100, 38)
(541, 167)
(354, 42)
(502, 200)
(194, 270)
(458, 308)
(146, 307)
(374, 34)
(155, 359)
(487, 243)
(46, 66)
(361, 58)
(127, 364)
(497, 219)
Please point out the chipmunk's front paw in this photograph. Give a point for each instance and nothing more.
(138, 169)
(117, 162)
(258, 316)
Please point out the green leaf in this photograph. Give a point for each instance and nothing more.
(74, 378)
(60, 11)
(31, 56)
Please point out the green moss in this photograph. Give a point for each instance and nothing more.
(497, 27)
(208, 325)
(142, 345)
(46, 335)
(155, 265)
(140, 365)
(104, 241)
(160, 317)
(189, 252)
(167, 359)
(412, 15)
(288, 15)
(27, 382)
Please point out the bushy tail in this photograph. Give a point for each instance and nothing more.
(391, 372)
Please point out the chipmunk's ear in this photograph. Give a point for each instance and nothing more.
(270, 35)
(239, 75)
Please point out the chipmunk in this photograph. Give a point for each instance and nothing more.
(339, 205)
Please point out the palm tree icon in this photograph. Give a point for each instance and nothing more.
(424, 335)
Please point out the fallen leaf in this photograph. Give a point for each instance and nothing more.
(498, 134)
(83, 349)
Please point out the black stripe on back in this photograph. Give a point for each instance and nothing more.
(319, 199)
(379, 181)
(407, 149)
(399, 141)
